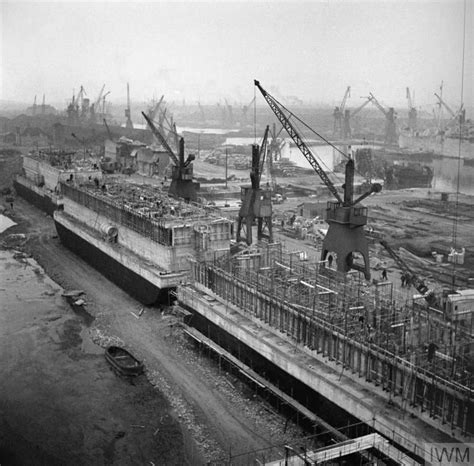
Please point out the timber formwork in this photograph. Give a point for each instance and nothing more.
(360, 327)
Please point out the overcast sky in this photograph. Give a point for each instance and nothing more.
(212, 51)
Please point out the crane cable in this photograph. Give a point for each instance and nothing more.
(317, 134)
(254, 115)
(456, 208)
(320, 160)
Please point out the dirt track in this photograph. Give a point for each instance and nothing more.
(215, 417)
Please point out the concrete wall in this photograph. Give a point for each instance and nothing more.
(137, 264)
(38, 170)
(173, 258)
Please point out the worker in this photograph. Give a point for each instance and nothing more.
(403, 279)
(384, 274)
(330, 261)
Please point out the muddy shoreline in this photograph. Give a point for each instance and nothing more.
(205, 419)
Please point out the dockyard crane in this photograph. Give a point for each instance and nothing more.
(456, 117)
(108, 130)
(390, 125)
(439, 115)
(245, 109)
(81, 102)
(95, 107)
(128, 113)
(155, 108)
(411, 277)
(338, 114)
(345, 217)
(256, 202)
(182, 184)
(348, 114)
(104, 112)
(412, 113)
(34, 107)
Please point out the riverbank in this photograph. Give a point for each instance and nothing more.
(215, 413)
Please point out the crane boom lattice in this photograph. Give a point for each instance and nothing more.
(284, 120)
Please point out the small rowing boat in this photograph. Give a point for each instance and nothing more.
(123, 362)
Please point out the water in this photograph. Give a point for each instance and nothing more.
(27, 292)
(5, 223)
(449, 147)
(327, 156)
(190, 129)
(445, 170)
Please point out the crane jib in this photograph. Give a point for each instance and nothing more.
(284, 120)
(162, 140)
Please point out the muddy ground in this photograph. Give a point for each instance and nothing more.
(61, 404)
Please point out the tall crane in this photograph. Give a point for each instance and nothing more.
(348, 114)
(155, 108)
(338, 114)
(128, 113)
(34, 107)
(439, 115)
(104, 110)
(391, 137)
(346, 219)
(456, 117)
(108, 130)
(95, 107)
(182, 184)
(412, 278)
(81, 102)
(412, 113)
(245, 109)
(256, 203)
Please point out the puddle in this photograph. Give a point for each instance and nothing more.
(87, 344)
(81, 311)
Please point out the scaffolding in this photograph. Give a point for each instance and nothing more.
(413, 352)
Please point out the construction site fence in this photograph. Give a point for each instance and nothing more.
(446, 401)
(123, 215)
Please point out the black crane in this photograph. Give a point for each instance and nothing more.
(391, 137)
(412, 112)
(346, 219)
(256, 202)
(348, 114)
(411, 277)
(245, 109)
(456, 117)
(182, 184)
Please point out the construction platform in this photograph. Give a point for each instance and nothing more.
(314, 325)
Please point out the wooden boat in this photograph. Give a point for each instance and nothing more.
(123, 362)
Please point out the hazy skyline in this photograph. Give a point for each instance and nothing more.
(211, 51)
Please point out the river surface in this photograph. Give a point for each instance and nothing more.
(447, 170)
